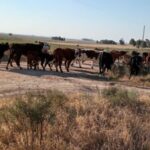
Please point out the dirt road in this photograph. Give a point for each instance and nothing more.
(15, 81)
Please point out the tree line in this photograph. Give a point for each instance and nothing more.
(137, 43)
(140, 43)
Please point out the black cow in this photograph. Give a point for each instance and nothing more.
(3, 48)
(17, 50)
(105, 62)
(135, 64)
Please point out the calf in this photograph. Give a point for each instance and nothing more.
(68, 55)
(85, 55)
(32, 60)
(49, 59)
(3, 48)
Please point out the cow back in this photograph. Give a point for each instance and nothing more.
(68, 54)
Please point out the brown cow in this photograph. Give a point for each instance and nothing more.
(117, 54)
(67, 55)
(144, 55)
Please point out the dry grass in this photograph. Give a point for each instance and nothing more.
(76, 44)
(67, 43)
(75, 122)
(139, 81)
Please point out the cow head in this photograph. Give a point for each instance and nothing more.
(45, 48)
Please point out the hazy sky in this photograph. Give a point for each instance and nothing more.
(95, 19)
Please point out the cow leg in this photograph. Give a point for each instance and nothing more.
(137, 70)
(56, 68)
(42, 64)
(92, 65)
(18, 61)
(51, 65)
(10, 59)
(60, 64)
(131, 72)
(68, 65)
(104, 69)
(56, 65)
(79, 64)
(28, 64)
(100, 69)
(72, 63)
(11, 63)
(35, 66)
(46, 63)
(101, 66)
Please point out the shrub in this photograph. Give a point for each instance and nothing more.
(120, 97)
(119, 70)
(29, 116)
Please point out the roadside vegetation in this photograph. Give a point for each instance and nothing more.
(112, 119)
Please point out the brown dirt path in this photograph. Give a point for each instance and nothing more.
(15, 81)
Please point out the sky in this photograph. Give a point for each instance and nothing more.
(76, 19)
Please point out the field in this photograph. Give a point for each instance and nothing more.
(79, 110)
(69, 43)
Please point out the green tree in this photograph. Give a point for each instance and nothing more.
(147, 42)
(121, 42)
(138, 43)
(132, 42)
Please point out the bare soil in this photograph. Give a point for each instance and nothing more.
(78, 80)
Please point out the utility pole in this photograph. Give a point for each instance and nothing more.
(143, 37)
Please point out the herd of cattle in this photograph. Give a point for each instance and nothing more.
(36, 53)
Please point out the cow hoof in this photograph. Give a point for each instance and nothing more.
(6, 68)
